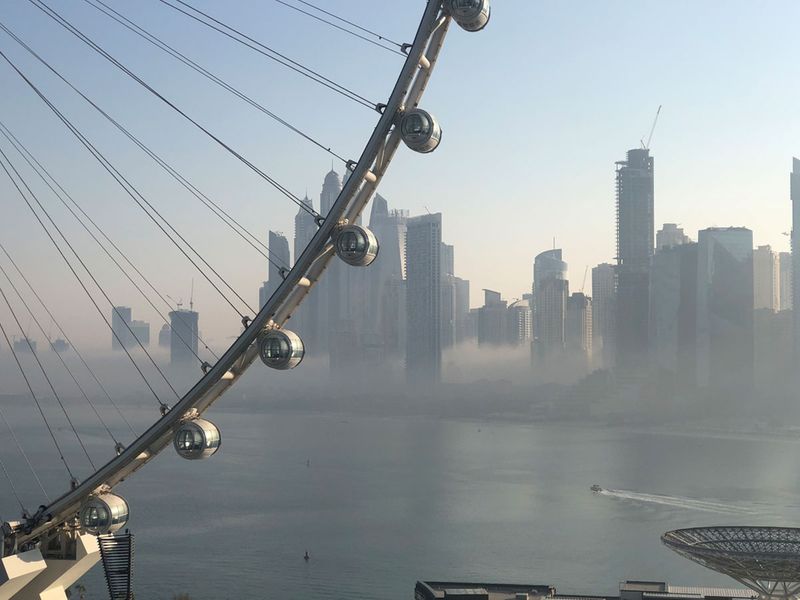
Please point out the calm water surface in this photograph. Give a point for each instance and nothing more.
(385, 502)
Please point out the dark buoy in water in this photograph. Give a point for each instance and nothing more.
(308, 462)
(306, 557)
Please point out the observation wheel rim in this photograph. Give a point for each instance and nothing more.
(356, 192)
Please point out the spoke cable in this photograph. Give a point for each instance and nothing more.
(47, 377)
(81, 282)
(86, 40)
(136, 195)
(24, 454)
(66, 337)
(162, 45)
(364, 29)
(58, 354)
(344, 29)
(270, 53)
(30, 389)
(214, 207)
(4, 130)
(11, 484)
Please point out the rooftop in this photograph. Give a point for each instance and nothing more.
(628, 590)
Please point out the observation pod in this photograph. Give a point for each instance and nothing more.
(471, 15)
(280, 349)
(420, 131)
(196, 439)
(104, 514)
(356, 245)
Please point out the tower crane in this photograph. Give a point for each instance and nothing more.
(646, 145)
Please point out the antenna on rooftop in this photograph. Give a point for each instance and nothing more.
(191, 297)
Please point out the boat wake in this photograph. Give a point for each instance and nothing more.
(678, 502)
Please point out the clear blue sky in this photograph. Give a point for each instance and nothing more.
(535, 111)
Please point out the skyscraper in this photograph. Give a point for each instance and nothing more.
(448, 296)
(725, 309)
(604, 293)
(578, 326)
(279, 255)
(127, 332)
(550, 291)
(519, 323)
(673, 310)
(332, 289)
(766, 282)
(120, 332)
(794, 194)
(141, 330)
(423, 298)
(670, 235)
(385, 279)
(635, 232)
(785, 280)
(305, 319)
(164, 336)
(462, 309)
(184, 328)
(492, 320)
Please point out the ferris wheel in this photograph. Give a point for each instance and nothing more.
(50, 548)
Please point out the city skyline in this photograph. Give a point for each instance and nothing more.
(566, 166)
(578, 321)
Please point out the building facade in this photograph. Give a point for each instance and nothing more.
(794, 194)
(670, 235)
(492, 320)
(635, 233)
(279, 258)
(785, 280)
(120, 323)
(673, 310)
(604, 295)
(766, 279)
(305, 320)
(550, 291)
(725, 358)
(184, 333)
(423, 299)
(578, 326)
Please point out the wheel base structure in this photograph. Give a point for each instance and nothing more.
(18, 570)
(37, 578)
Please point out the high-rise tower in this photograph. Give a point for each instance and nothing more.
(635, 242)
(305, 320)
(385, 280)
(725, 352)
(332, 288)
(604, 297)
(550, 292)
(423, 299)
(279, 255)
(184, 333)
(794, 193)
(766, 279)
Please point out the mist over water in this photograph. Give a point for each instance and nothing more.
(387, 500)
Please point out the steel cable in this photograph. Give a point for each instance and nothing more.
(214, 207)
(4, 131)
(66, 337)
(344, 29)
(134, 193)
(82, 284)
(86, 40)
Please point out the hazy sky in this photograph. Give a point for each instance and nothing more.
(535, 110)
